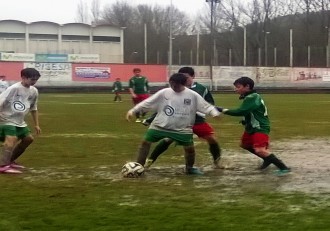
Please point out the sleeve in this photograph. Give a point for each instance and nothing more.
(34, 103)
(204, 107)
(149, 104)
(249, 104)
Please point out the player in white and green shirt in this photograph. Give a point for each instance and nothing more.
(176, 109)
(201, 128)
(15, 103)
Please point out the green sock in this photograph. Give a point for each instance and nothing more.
(161, 147)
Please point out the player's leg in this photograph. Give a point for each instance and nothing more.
(190, 160)
(143, 152)
(19, 149)
(10, 139)
(261, 148)
(247, 143)
(206, 132)
(161, 147)
(147, 121)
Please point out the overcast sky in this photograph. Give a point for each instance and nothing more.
(65, 11)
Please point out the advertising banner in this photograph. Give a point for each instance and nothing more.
(84, 58)
(57, 58)
(52, 72)
(18, 57)
(92, 72)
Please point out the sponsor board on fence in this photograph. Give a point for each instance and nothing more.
(84, 58)
(51, 58)
(17, 57)
(92, 72)
(52, 72)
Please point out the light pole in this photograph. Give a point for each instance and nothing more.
(170, 52)
(212, 42)
(266, 48)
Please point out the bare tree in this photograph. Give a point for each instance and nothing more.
(82, 12)
(95, 11)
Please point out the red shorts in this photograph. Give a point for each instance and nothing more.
(139, 98)
(255, 140)
(203, 130)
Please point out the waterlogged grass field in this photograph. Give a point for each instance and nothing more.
(73, 179)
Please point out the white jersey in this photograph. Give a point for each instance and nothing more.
(176, 111)
(3, 85)
(16, 102)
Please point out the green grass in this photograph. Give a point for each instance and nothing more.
(74, 180)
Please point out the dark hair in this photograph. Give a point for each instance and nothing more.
(178, 78)
(245, 81)
(187, 70)
(30, 73)
(136, 69)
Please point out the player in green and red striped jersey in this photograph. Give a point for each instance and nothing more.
(255, 138)
(139, 89)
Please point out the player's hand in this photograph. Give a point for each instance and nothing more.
(129, 115)
(38, 129)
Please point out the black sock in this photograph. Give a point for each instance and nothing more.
(161, 147)
(277, 162)
(215, 150)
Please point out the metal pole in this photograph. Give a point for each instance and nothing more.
(328, 49)
(145, 44)
(275, 56)
(266, 48)
(244, 52)
(170, 43)
(291, 49)
(197, 49)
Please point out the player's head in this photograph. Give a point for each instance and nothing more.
(243, 84)
(137, 71)
(178, 82)
(190, 73)
(2, 77)
(117, 79)
(29, 76)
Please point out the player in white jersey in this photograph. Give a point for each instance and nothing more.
(15, 103)
(176, 109)
(3, 83)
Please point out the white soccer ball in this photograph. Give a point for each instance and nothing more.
(132, 170)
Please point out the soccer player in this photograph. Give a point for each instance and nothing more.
(15, 103)
(3, 83)
(176, 109)
(117, 88)
(255, 138)
(139, 89)
(201, 128)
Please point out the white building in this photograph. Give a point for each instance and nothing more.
(44, 37)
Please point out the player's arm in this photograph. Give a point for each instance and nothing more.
(248, 105)
(204, 107)
(131, 86)
(35, 118)
(149, 104)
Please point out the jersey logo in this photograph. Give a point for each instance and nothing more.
(187, 102)
(168, 110)
(18, 106)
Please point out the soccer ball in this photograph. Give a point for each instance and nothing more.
(132, 170)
